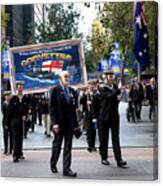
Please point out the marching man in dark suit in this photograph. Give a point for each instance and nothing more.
(152, 96)
(87, 101)
(109, 119)
(18, 108)
(137, 95)
(63, 105)
(6, 124)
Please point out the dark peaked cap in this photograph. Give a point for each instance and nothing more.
(6, 93)
(19, 82)
(108, 72)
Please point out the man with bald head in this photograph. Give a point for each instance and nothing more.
(63, 104)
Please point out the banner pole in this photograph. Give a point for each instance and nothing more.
(139, 73)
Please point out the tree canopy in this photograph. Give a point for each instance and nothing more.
(61, 22)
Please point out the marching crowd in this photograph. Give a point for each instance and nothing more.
(65, 111)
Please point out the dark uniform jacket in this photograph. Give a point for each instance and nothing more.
(83, 101)
(152, 94)
(45, 106)
(137, 94)
(17, 108)
(109, 103)
(63, 112)
(5, 119)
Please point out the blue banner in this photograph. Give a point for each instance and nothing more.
(39, 67)
(5, 63)
(114, 63)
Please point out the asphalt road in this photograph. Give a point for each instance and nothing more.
(87, 165)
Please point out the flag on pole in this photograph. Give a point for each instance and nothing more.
(141, 48)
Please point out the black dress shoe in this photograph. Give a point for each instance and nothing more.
(54, 170)
(15, 159)
(94, 149)
(105, 162)
(70, 173)
(5, 152)
(121, 164)
(21, 157)
(89, 149)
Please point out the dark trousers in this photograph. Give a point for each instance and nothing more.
(17, 131)
(138, 107)
(104, 127)
(34, 119)
(90, 129)
(131, 112)
(34, 115)
(91, 134)
(151, 110)
(56, 149)
(26, 126)
(39, 117)
(7, 137)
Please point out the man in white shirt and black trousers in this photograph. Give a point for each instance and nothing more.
(63, 105)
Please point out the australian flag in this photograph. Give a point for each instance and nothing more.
(141, 48)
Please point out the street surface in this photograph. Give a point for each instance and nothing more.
(137, 141)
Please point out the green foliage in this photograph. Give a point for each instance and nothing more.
(5, 17)
(90, 61)
(118, 17)
(100, 40)
(151, 12)
(61, 23)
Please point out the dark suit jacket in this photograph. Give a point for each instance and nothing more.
(137, 95)
(152, 94)
(109, 103)
(5, 111)
(62, 112)
(18, 109)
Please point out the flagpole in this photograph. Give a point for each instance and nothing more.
(139, 73)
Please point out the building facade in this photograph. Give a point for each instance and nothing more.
(20, 19)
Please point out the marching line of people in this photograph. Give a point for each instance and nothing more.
(139, 93)
(21, 113)
(65, 112)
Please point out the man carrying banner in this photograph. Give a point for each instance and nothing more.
(63, 104)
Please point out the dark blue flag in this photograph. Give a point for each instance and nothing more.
(141, 48)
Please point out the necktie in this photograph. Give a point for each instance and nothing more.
(66, 92)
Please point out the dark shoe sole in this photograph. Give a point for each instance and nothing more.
(105, 163)
(70, 175)
(54, 170)
(15, 160)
